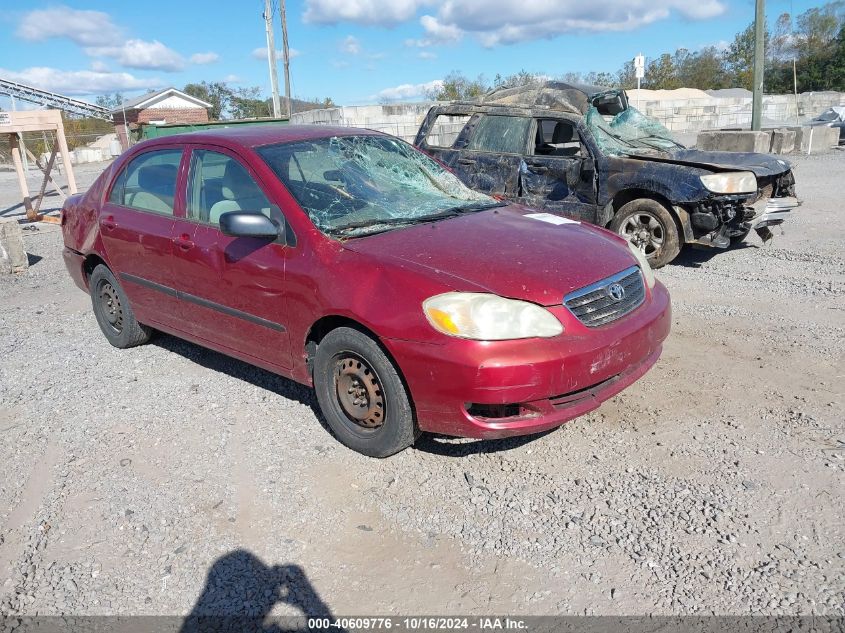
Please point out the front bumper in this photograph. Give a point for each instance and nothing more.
(772, 211)
(539, 383)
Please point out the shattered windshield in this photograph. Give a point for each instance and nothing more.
(630, 132)
(359, 185)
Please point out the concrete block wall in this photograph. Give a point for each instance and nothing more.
(693, 115)
(679, 115)
(402, 120)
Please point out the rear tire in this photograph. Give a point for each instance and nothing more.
(649, 225)
(361, 394)
(113, 312)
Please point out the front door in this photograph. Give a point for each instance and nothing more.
(232, 290)
(493, 153)
(136, 223)
(558, 175)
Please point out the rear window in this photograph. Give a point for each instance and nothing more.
(501, 134)
(446, 129)
(148, 182)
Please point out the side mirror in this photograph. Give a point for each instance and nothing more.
(588, 166)
(246, 224)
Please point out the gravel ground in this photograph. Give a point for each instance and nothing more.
(169, 479)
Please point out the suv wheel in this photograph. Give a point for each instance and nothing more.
(648, 225)
(361, 394)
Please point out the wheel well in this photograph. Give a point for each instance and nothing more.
(629, 195)
(326, 324)
(91, 262)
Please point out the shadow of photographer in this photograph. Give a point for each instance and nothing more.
(241, 591)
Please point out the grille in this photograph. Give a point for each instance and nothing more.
(595, 306)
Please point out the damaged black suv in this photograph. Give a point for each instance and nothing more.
(586, 153)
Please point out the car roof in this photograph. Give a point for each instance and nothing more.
(257, 135)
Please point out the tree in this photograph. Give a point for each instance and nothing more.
(246, 103)
(661, 74)
(110, 101)
(217, 93)
(739, 59)
(457, 87)
(626, 77)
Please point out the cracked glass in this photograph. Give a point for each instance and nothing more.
(630, 132)
(358, 185)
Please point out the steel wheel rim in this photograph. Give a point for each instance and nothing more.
(110, 305)
(645, 231)
(359, 392)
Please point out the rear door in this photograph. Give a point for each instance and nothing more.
(136, 222)
(558, 174)
(232, 289)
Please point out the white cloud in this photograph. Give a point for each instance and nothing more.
(261, 53)
(86, 28)
(407, 92)
(141, 54)
(79, 82)
(232, 79)
(204, 58)
(351, 45)
(426, 55)
(506, 22)
(99, 66)
(370, 12)
(439, 32)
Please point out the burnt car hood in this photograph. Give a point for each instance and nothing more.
(762, 165)
(503, 252)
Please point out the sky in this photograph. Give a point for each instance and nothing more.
(354, 51)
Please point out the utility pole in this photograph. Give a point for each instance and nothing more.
(759, 64)
(271, 57)
(285, 56)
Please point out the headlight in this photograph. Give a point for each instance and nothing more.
(648, 272)
(731, 182)
(486, 317)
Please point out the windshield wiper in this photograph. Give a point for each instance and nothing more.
(386, 224)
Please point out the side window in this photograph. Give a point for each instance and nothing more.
(446, 129)
(501, 134)
(218, 184)
(557, 138)
(148, 182)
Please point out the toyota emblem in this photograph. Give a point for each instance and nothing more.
(616, 292)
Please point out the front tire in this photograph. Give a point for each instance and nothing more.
(113, 312)
(361, 394)
(650, 226)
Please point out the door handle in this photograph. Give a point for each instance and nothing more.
(466, 161)
(184, 242)
(538, 169)
(108, 223)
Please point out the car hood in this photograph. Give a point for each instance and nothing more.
(761, 164)
(503, 252)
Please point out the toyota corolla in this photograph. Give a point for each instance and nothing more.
(347, 260)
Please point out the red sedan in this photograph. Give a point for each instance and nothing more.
(348, 260)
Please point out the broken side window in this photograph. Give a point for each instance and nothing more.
(446, 129)
(557, 138)
(501, 134)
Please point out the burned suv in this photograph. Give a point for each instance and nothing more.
(586, 153)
